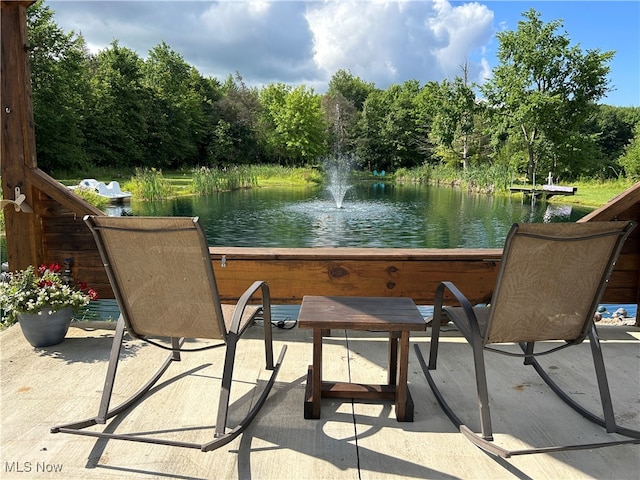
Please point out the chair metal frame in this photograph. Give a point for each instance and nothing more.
(228, 331)
(475, 323)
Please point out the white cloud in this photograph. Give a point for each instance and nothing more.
(233, 22)
(485, 71)
(465, 27)
(357, 36)
(390, 42)
(295, 42)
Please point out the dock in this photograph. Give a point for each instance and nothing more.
(546, 191)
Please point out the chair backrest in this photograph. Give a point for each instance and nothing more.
(161, 274)
(551, 280)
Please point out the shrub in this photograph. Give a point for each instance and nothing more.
(149, 184)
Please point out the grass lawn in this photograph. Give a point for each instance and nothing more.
(593, 194)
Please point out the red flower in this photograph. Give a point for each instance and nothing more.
(42, 269)
(55, 267)
(93, 295)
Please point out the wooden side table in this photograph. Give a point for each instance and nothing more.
(396, 315)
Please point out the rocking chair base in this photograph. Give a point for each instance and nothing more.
(488, 445)
(77, 428)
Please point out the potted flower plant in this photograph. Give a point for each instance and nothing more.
(43, 301)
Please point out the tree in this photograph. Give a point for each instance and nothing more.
(300, 123)
(116, 123)
(611, 129)
(115, 109)
(236, 129)
(341, 119)
(400, 128)
(272, 100)
(394, 128)
(453, 117)
(630, 160)
(372, 146)
(170, 79)
(342, 106)
(543, 89)
(208, 92)
(350, 87)
(59, 86)
(292, 124)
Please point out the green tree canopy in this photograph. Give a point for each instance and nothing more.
(453, 116)
(236, 135)
(543, 89)
(59, 86)
(170, 79)
(350, 87)
(116, 125)
(299, 123)
(115, 109)
(630, 159)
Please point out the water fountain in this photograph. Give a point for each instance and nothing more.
(338, 170)
(338, 166)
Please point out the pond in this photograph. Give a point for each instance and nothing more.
(372, 215)
(377, 214)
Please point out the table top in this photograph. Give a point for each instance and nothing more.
(392, 314)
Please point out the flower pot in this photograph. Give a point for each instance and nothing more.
(45, 328)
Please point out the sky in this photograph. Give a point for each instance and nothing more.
(300, 42)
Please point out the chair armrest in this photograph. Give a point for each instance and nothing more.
(240, 307)
(464, 303)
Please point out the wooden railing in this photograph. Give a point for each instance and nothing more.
(294, 272)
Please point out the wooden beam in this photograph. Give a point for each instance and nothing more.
(60, 193)
(26, 242)
(18, 149)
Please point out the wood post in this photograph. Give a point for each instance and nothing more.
(17, 132)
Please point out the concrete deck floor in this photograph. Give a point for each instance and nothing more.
(352, 440)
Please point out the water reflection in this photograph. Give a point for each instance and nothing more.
(373, 215)
(118, 210)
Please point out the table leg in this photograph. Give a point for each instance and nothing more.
(404, 403)
(314, 379)
(393, 359)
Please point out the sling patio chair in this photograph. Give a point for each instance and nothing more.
(162, 277)
(550, 282)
